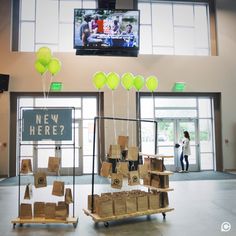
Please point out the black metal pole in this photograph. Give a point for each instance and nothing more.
(74, 167)
(155, 138)
(94, 139)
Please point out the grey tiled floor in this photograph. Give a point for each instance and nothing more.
(200, 209)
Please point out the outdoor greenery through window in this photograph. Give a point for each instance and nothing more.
(167, 27)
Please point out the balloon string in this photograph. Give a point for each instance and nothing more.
(51, 78)
(139, 127)
(153, 99)
(99, 125)
(43, 85)
(127, 128)
(113, 111)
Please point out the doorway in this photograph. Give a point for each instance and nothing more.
(176, 113)
(86, 106)
(170, 132)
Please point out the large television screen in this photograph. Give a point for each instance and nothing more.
(106, 29)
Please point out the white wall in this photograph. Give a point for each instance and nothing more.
(202, 74)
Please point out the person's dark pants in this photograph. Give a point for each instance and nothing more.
(182, 158)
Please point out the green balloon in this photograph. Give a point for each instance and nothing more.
(40, 68)
(113, 80)
(44, 55)
(54, 66)
(152, 83)
(99, 79)
(127, 80)
(138, 82)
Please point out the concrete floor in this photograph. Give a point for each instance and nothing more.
(200, 209)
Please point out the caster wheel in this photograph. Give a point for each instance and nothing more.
(106, 224)
(164, 215)
(75, 224)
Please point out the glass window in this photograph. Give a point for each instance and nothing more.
(163, 30)
(27, 43)
(184, 41)
(89, 4)
(176, 113)
(145, 39)
(90, 108)
(204, 107)
(163, 50)
(167, 28)
(27, 10)
(176, 102)
(201, 27)
(65, 41)
(205, 135)
(67, 10)
(145, 13)
(176, 28)
(146, 108)
(183, 14)
(147, 137)
(207, 161)
(47, 21)
(25, 102)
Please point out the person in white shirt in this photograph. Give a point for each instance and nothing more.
(185, 152)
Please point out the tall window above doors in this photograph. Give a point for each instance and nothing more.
(167, 27)
(48, 23)
(177, 27)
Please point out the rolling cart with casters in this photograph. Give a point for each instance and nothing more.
(163, 210)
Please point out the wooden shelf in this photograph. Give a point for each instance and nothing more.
(39, 220)
(97, 218)
(159, 189)
(166, 172)
(156, 155)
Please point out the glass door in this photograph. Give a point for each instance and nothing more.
(189, 125)
(170, 132)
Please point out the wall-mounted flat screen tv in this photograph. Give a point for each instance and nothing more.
(106, 32)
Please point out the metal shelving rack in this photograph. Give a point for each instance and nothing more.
(71, 219)
(92, 213)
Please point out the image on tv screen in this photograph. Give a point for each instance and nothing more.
(100, 29)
